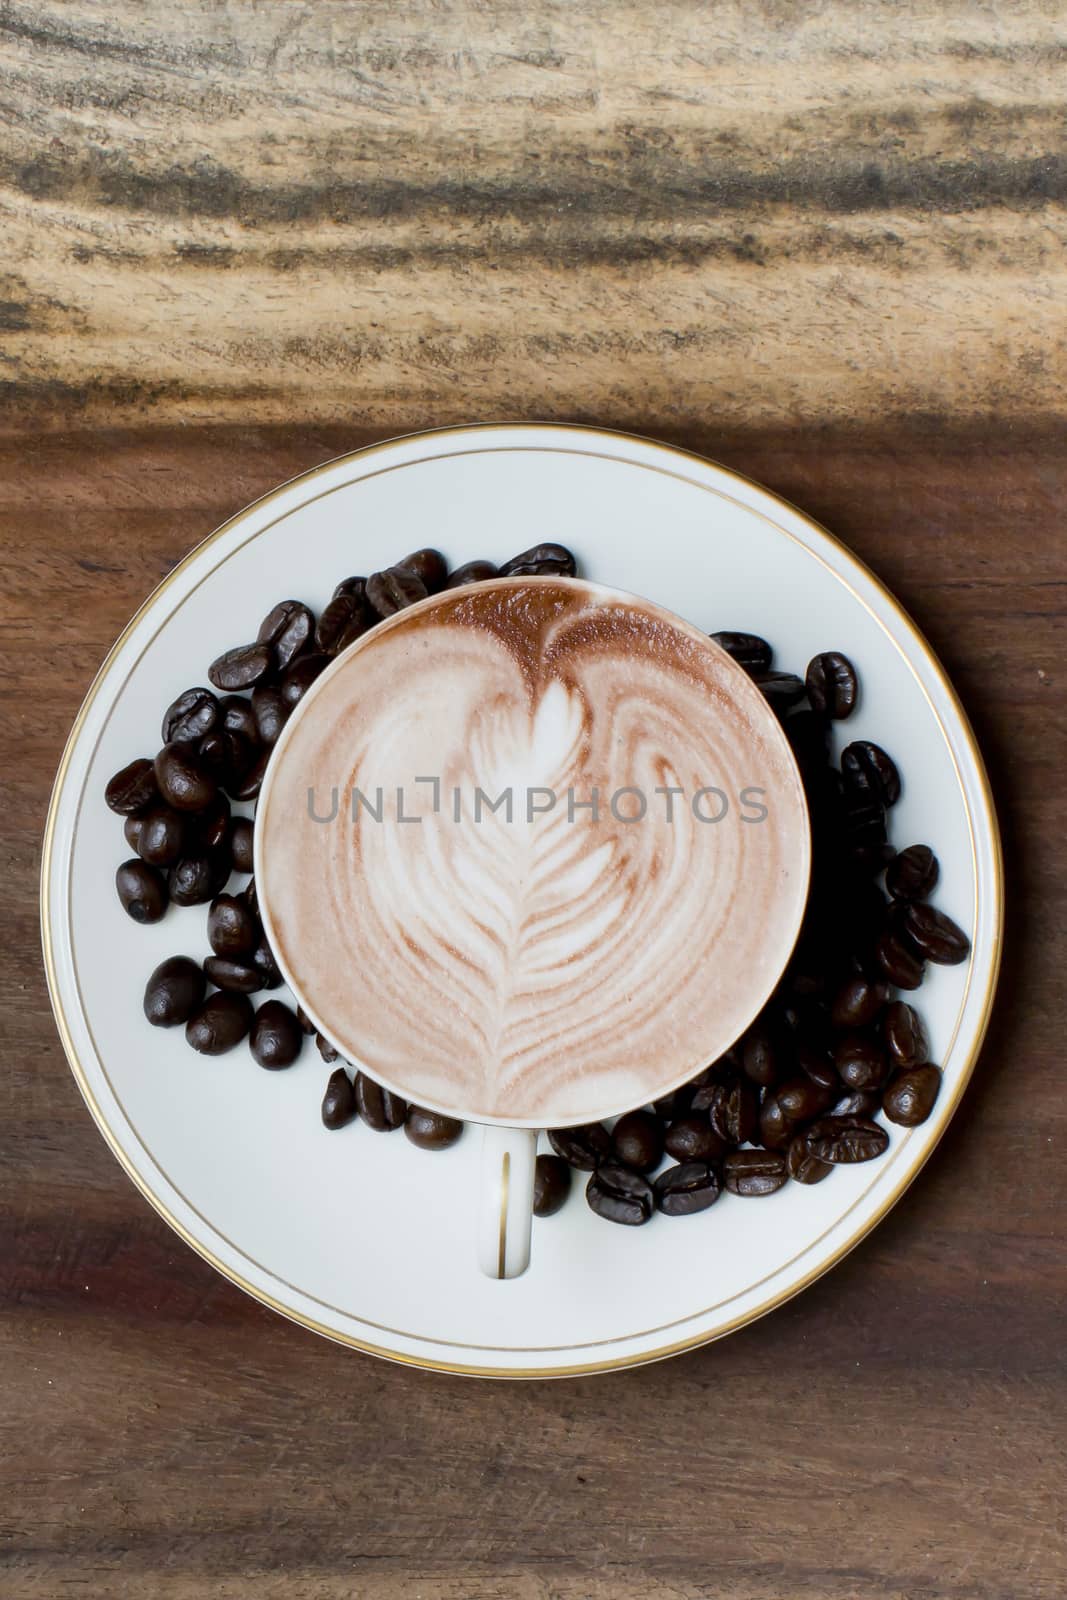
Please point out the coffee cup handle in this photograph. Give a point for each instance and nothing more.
(506, 1200)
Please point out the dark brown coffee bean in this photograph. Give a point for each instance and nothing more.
(394, 590)
(232, 930)
(251, 781)
(584, 1147)
(286, 628)
(670, 1107)
(131, 831)
(692, 1138)
(226, 756)
(187, 719)
(270, 712)
(240, 668)
(183, 780)
(753, 1173)
(304, 1020)
(299, 678)
(196, 879)
(542, 561)
(935, 935)
(844, 1140)
(775, 1128)
(619, 1195)
(276, 1038)
(904, 1035)
(552, 1185)
(802, 1165)
(913, 874)
(221, 1023)
(732, 1108)
(339, 1101)
(860, 1061)
(431, 1130)
(810, 739)
(429, 565)
(900, 965)
(345, 619)
(326, 1049)
(210, 831)
(818, 1066)
(351, 586)
(763, 1053)
(684, 1190)
(747, 649)
(801, 1099)
(780, 689)
(858, 1002)
(910, 1096)
(235, 976)
(472, 572)
(637, 1141)
(865, 828)
(173, 992)
(142, 890)
(860, 1103)
(241, 835)
(270, 975)
(237, 716)
(162, 834)
(868, 770)
(133, 788)
(832, 684)
(380, 1108)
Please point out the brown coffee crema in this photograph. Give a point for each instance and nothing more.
(593, 940)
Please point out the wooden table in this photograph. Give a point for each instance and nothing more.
(823, 243)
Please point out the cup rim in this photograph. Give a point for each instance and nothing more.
(399, 619)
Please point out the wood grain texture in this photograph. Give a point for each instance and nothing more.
(822, 243)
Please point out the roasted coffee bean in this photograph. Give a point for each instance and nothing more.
(619, 1195)
(286, 629)
(326, 1049)
(868, 770)
(251, 781)
(263, 960)
(211, 829)
(429, 565)
(860, 1103)
(339, 1101)
(780, 689)
(235, 976)
(190, 717)
(904, 1035)
(240, 668)
(221, 1023)
(858, 1002)
(865, 826)
(808, 733)
(241, 835)
(173, 992)
(393, 590)
(196, 879)
(380, 1108)
(304, 1020)
(250, 897)
(910, 1096)
(226, 756)
(816, 1064)
(801, 1100)
(899, 963)
(345, 619)
(747, 649)
(471, 572)
(584, 1147)
(351, 586)
(732, 1109)
(161, 836)
(802, 1165)
(692, 1138)
(133, 788)
(431, 1130)
(684, 1190)
(832, 684)
(552, 1185)
(934, 935)
(142, 890)
(913, 874)
(775, 1128)
(844, 1140)
(753, 1173)
(670, 1107)
(276, 1038)
(860, 1061)
(763, 1053)
(232, 930)
(237, 716)
(131, 830)
(270, 712)
(542, 561)
(637, 1141)
(182, 778)
(301, 675)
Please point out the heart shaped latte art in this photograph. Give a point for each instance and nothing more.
(534, 852)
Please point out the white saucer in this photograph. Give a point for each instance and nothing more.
(358, 1235)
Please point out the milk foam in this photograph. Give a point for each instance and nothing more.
(543, 966)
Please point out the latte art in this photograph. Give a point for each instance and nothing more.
(496, 858)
